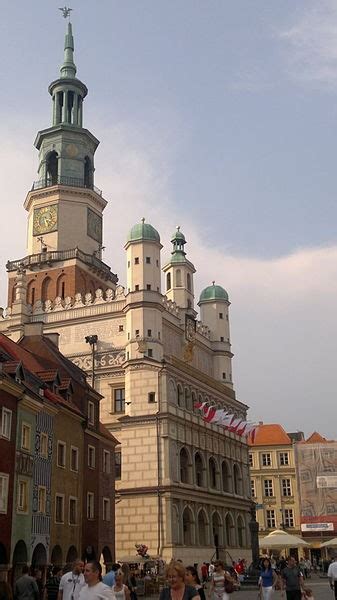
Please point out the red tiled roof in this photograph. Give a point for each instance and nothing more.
(106, 433)
(270, 434)
(316, 438)
(57, 399)
(19, 353)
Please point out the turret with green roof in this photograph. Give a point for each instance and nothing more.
(179, 274)
(213, 293)
(143, 231)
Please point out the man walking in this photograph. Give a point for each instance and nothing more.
(26, 586)
(94, 589)
(72, 582)
(292, 580)
(332, 575)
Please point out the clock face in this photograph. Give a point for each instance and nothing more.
(94, 228)
(45, 219)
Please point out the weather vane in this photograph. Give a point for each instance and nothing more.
(65, 11)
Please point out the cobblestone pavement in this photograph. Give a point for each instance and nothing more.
(320, 588)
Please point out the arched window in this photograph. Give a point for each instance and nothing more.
(179, 395)
(184, 466)
(31, 291)
(241, 532)
(52, 168)
(168, 281)
(178, 277)
(175, 525)
(199, 470)
(229, 527)
(46, 289)
(189, 286)
(202, 528)
(216, 530)
(226, 477)
(212, 473)
(61, 286)
(188, 527)
(237, 480)
(87, 172)
(188, 399)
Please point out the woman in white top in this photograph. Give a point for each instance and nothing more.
(121, 590)
(218, 582)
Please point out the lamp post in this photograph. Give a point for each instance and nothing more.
(92, 341)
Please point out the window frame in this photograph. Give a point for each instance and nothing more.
(20, 508)
(289, 517)
(253, 488)
(106, 464)
(4, 493)
(118, 465)
(64, 445)
(266, 459)
(75, 500)
(286, 487)
(270, 518)
(282, 462)
(90, 504)
(91, 454)
(91, 412)
(119, 400)
(28, 427)
(250, 459)
(268, 490)
(62, 497)
(76, 450)
(6, 411)
(42, 489)
(44, 451)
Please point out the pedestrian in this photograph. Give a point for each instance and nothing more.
(5, 591)
(51, 589)
(332, 576)
(94, 588)
(109, 578)
(72, 582)
(192, 579)
(204, 572)
(292, 580)
(221, 580)
(26, 587)
(177, 588)
(267, 579)
(120, 589)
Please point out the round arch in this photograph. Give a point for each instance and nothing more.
(241, 532)
(185, 464)
(180, 396)
(217, 536)
(56, 557)
(39, 556)
(46, 289)
(107, 557)
(172, 392)
(230, 530)
(188, 399)
(72, 554)
(199, 468)
(237, 480)
(188, 527)
(202, 527)
(61, 286)
(212, 471)
(20, 558)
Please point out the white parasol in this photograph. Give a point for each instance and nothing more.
(281, 539)
(329, 543)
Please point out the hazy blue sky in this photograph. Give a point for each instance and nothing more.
(220, 116)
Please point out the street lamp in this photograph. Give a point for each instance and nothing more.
(92, 341)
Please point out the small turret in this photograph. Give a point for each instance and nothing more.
(179, 273)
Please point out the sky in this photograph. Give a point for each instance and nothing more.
(220, 117)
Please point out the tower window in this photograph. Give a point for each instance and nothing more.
(151, 397)
(222, 339)
(137, 332)
(150, 353)
(87, 172)
(178, 278)
(157, 262)
(148, 286)
(120, 327)
(168, 281)
(220, 315)
(149, 333)
(148, 260)
(128, 264)
(128, 335)
(189, 285)
(137, 260)
(223, 375)
(189, 303)
(136, 288)
(52, 168)
(33, 296)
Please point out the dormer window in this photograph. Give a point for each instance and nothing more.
(91, 413)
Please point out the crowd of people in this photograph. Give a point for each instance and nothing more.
(85, 581)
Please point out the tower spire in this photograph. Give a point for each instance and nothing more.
(68, 68)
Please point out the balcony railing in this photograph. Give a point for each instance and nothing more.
(68, 181)
(48, 257)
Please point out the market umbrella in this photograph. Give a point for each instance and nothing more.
(329, 543)
(281, 539)
(137, 559)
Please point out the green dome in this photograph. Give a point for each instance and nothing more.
(213, 292)
(143, 231)
(178, 257)
(178, 236)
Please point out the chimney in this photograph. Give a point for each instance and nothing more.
(33, 328)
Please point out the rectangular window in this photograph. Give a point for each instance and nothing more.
(91, 413)
(268, 488)
(44, 445)
(222, 339)
(266, 459)
(284, 459)
(106, 461)
(148, 286)
(150, 353)
(118, 465)
(120, 328)
(72, 511)
(288, 517)
(270, 518)
(128, 264)
(137, 333)
(106, 509)
(61, 454)
(152, 397)
(25, 436)
(286, 487)
(220, 315)
(4, 479)
(41, 499)
(137, 288)
(149, 333)
(119, 400)
(59, 508)
(91, 457)
(73, 458)
(90, 505)
(22, 496)
(223, 375)
(251, 461)
(148, 260)
(137, 260)
(6, 423)
(252, 487)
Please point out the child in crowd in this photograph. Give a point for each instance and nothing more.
(307, 594)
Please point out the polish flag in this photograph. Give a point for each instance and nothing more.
(210, 415)
(234, 425)
(200, 405)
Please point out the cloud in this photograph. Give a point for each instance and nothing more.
(312, 44)
(283, 311)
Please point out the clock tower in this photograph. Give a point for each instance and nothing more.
(65, 233)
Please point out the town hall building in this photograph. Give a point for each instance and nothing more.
(182, 485)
